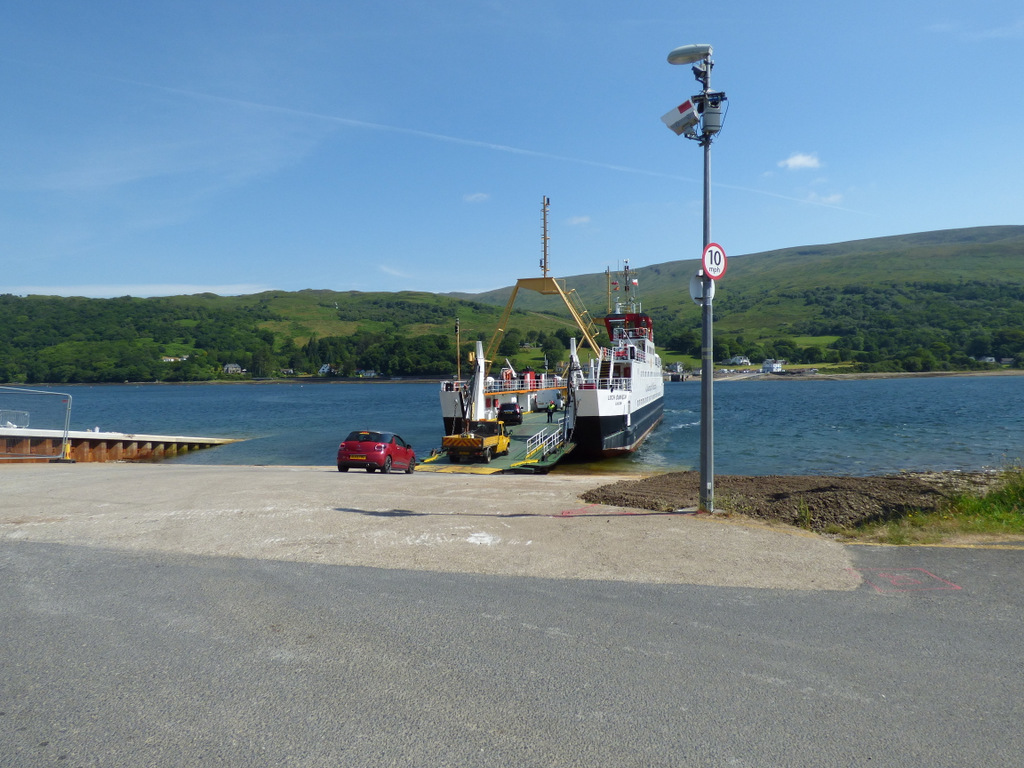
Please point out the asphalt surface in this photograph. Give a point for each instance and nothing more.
(132, 648)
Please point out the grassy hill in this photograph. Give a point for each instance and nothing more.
(748, 296)
(909, 302)
(756, 296)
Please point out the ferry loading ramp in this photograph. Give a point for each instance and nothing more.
(536, 447)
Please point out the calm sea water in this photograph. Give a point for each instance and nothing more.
(761, 427)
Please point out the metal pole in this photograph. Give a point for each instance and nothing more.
(707, 371)
(682, 121)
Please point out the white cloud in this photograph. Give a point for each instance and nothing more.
(1011, 30)
(476, 197)
(577, 221)
(395, 273)
(834, 199)
(799, 161)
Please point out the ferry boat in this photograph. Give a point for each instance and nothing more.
(606, 407)
(618, 399)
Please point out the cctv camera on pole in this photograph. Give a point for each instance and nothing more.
(683, 119)
(700, 119)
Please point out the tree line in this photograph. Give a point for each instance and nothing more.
(912, 326)
(76, 340)
(895, 327)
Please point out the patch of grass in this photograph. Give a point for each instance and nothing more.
(805, 518)
(999, 512)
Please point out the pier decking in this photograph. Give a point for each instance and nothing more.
(536, 448)
(45, 445)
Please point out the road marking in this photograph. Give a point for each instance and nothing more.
(903, 579)
(935, 546)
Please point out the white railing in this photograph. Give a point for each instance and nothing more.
(545, 441)
(508, 385)
(617, 383)
(519, 385)
(621, 354)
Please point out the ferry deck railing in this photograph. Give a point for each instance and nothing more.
(616, 383)
(509, 385)
(621, 354)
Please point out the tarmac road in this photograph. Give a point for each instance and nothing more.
(147, 619)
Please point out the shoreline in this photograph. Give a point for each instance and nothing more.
(757, 376)
(865, 376)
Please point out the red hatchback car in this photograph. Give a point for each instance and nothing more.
(371, 451)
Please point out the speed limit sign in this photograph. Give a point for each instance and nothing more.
(713, 260)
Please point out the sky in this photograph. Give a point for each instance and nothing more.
(178, 147)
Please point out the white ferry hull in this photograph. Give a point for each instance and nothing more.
(610, 423)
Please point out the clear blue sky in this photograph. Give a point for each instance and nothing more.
(158, 147)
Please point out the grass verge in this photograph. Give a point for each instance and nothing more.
(999, 512)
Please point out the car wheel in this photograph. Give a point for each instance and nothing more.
(387, 466)
(342, 469)
(487, 455)
(411, 468)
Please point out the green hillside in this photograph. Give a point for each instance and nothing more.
(908, 302)
(924, 301)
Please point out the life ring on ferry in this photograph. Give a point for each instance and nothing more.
(620, 353)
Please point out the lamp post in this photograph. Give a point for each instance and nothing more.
(704, 112)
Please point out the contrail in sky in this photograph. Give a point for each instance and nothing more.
(469, 142)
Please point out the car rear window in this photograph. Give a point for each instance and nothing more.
(363, 437)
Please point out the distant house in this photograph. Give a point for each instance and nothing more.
(232, 368)
(738, 360)
(327, 370)
(772, 366)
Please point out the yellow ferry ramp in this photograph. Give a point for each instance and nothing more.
(460, 469)
(527, 453)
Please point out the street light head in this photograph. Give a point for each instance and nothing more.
(688, 54)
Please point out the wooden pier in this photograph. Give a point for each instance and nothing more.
(48, 445)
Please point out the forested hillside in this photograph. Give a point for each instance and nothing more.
(193, 338)
(930, 301)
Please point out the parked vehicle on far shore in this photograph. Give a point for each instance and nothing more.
(370, 450)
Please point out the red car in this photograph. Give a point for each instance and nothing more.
(371, 451)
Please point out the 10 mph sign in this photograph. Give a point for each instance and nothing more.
(713, 261)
